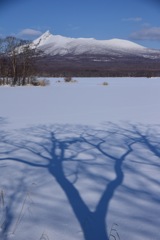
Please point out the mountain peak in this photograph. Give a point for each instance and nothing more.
(43, 38)
(46, 34)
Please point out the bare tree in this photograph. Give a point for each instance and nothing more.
(12, 45)
(17, 60)
(28, 55)
(2, 62)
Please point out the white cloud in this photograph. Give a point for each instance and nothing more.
(150, 33)
(29, 32)
(136, 19)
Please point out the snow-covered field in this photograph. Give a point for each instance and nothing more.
(80, 161)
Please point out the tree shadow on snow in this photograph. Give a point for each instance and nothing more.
(60, 147)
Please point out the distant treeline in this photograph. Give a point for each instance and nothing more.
(86, 67)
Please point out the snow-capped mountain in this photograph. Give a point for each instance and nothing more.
(61, 56)
(60, 45)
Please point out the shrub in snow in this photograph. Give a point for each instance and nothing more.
(68, 79)
(42, 82)
(105, 83)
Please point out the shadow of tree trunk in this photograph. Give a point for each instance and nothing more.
(53, 151)
(93, 224)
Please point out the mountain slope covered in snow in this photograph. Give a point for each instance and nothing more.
(60, 45)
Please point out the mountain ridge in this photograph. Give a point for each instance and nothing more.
(60, 45)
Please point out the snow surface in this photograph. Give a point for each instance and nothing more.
(79, 160)
(57, 44)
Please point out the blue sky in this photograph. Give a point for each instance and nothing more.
(135, 20)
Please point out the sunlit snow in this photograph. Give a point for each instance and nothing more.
(80, 160)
